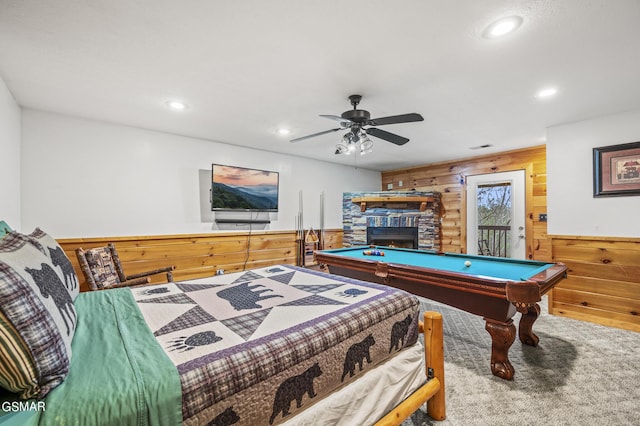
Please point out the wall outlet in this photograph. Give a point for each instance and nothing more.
(542, 217)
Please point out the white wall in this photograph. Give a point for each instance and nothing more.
(9, 158)
(572, 208)
(83, 178)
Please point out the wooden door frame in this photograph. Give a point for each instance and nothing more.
(528, 208)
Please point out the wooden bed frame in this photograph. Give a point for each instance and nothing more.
(431, 392)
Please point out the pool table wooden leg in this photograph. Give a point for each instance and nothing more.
(503, 334)
(525, 329)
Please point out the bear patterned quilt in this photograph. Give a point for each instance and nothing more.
(256, 347)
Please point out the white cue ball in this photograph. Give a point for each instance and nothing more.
(467, 263)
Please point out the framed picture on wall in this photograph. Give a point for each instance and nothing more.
(616, 170)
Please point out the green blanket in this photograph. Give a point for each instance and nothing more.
(119, 374)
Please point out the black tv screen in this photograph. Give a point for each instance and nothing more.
(240, 188)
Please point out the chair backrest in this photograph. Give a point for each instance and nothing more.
(101, 266)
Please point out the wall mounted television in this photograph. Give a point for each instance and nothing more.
(241, 189)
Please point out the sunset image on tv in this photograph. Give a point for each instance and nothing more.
(239, 188)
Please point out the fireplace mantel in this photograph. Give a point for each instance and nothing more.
(392, 200)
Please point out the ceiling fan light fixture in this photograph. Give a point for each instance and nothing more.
(349, 138)
(366, 148)
(366, 144)
(341, 149)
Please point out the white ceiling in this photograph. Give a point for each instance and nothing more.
(248, 67)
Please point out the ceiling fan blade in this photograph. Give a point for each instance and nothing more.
(333, 117)
(315, 134)
(391, 137)
(404, 118)
(344, 122)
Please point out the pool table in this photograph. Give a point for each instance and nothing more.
(492, 287)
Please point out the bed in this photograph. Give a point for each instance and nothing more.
(276, 345)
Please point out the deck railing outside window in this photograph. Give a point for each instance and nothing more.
(493, 240)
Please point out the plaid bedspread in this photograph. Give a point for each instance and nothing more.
(257, 346)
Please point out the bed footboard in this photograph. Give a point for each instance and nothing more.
(431, 392)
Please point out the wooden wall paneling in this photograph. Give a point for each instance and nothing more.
(529, 212)
(453, 236)
(596, 285)
(603, 283)
(332, 239)
(448, 178)
(598, 316)
(198, 255)
(594, 270)
(460, 206)
(602, 302)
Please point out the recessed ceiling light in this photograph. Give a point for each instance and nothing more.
(502, 27)
(283, 131)
(176, 105)
(547, 93)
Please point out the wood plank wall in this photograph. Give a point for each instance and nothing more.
(199, 255)
(603, 283)
(448, 178)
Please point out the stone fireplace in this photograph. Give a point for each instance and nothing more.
(392, 218)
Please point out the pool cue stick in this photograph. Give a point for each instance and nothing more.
(297, 241)
(321, 243)
(301, 223)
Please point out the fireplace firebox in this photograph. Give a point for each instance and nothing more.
(403, 237)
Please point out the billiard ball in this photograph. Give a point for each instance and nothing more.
(467, 263)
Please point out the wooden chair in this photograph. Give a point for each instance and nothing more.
(102, 269)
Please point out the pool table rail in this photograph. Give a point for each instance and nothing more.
(524, 293)
(514, 291)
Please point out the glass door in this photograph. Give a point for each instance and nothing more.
(496, 215)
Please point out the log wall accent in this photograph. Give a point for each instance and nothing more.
(603, 283)
(448, 178)
(198, 255)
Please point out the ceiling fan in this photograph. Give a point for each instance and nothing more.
(355, 120)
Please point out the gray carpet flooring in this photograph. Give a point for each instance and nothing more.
(579, 374)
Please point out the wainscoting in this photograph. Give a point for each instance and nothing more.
(199, 255)
(603, 283)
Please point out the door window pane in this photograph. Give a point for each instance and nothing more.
(494, 219)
